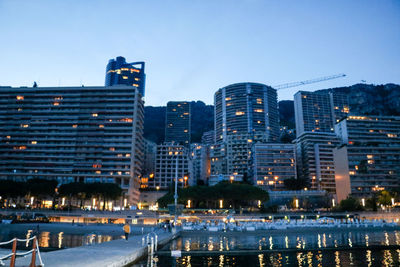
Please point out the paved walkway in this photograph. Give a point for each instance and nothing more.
(115, 253)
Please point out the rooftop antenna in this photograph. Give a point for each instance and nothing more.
(34, 84)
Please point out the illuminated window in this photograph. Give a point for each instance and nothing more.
(127, 155)
(352, 172)
(56, 104)
(20, 97)
(95, 114)
(125, 77)
(239, 113)
(101, 126)
(259, 110)
(370, 161)
(135, 84)
(75, 125)
(304, 96)
(124, 69)
(259, 100)
(19, 109)
(370, 156)
(96, 166)
(119, 155)
(33, 142)
(185, 131)
(135, 70)
(8, 137)
(24, 125)
(98, 172)
(126, 120)
(111, 149)
(137, 79)
(392, 135)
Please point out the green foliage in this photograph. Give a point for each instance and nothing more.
(208, 196)
(350, 204)
(86, 190)
(11, 189)
(41, 187)
(295, 184)
(385, 198)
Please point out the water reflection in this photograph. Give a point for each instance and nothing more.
(310, 259)
(312, 245)
(57, 240)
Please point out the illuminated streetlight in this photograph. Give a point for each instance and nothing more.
(221, 203)
(363, 202)
(392, 201)
(333, 202)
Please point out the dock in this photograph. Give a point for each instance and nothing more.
(116, 253)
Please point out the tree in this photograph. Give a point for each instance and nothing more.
(295, 184)
(41, 188)
(385, 198)
(350, 204)
(234, 194)
(10, 189)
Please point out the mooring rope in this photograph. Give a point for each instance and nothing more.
(21, 253)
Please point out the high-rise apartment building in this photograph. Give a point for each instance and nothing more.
(218, 165)
(71, 134)
(238, 152)
(149, 162)
(244, 108)
(272, 164)
(172, 158)
(319, 111)
(315, 160)
(200, 162)
(371, 145)
(178, 122)
(208, 138)
(118, 71)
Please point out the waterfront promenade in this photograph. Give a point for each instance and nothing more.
(115, 253)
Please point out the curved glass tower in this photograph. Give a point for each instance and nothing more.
(246, 108)
(120, 72)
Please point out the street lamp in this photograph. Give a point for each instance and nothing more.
(176, 189)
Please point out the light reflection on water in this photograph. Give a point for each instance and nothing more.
(58, 240)
(315, 258)
(304, 241)
(290, 240)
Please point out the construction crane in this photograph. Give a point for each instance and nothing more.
(321, 79)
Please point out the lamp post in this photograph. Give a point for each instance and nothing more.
(176, 191)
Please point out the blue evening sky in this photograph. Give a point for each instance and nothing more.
(193, 47)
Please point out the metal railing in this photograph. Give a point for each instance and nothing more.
(13, 255)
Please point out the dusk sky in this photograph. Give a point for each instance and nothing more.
(192, 48)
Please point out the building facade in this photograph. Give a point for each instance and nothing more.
(120, 72)
(244, 108)
(208, 138)
(73, 134)
(319, 111)
(200, 156)
(178, 122)
(172, 159)
(218, 164)
(372, 146)
(238, 152)
(272, 164)
(315, 160)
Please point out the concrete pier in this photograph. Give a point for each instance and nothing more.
(117, 253)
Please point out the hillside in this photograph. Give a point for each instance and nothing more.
(365, 99)
(154, 122)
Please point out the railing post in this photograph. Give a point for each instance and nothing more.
(33, 260)
(14, 251)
